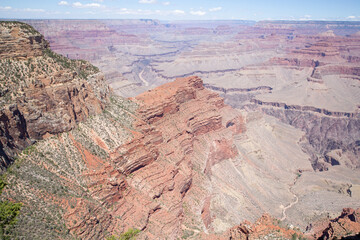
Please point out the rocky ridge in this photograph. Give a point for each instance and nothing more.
(140, 182)
(42, 93)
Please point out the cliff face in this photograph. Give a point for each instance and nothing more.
(332, 73)
(129, 167)
(42, 93)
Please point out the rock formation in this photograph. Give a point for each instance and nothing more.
(346, 226)
(42, 93)
(265, 227)
(140, 182)
(20, 41)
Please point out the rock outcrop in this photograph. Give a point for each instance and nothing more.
(42, 93)
(140, 180)
(346, 226)
(20, 40)
(265, 227)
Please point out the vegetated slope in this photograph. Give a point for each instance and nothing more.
(41, 93)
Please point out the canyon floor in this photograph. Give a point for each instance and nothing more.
(269, 125)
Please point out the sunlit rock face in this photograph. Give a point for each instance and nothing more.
(42, 93)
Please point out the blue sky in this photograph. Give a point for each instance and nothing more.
(183, 9)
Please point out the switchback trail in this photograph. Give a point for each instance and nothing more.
(292, 203)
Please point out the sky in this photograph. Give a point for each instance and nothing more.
(183, 9)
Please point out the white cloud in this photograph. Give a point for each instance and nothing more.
(166, 3)
(147, 1)
(198, 13)
(305, 17)
(351, 17)
(142, 12)
(5, 8)
(77, 4)
(32, 10)
(125, 11)
(98, 1)
(178, 12)
(215, 9)
(63, 3)
(88, 5)
(94, 5)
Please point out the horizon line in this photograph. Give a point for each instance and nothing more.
(189, 20)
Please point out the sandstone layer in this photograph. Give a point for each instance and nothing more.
(139, 180)
(42, 93)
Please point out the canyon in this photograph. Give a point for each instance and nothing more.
(268, 129)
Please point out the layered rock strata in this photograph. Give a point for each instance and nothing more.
(140, 180)
(42, 93)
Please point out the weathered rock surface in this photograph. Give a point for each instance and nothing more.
(20, 40)
(42, 93)
(143, 180)
(346, 226)
(265, 227)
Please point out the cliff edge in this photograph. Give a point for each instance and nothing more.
(41, 93)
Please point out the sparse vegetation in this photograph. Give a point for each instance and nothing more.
(82, 68)
(16, 75)
(25, 27)
(8, 213)
(29, 150)
(187, 234)
(2, 183)
(296, 236)
(128, 235)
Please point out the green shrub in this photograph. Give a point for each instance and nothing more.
(129, 235)
(2, 183)
(29, 150)
(8, 212)
(294, 236)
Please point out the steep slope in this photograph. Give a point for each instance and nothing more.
(42, 93)
(130, 166)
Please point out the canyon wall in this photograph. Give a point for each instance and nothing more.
(42, 92)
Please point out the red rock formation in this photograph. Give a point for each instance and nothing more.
(346, 225)
(50, 94)
(265, 227)
(221, 150)
(172, 117)
(154, 169)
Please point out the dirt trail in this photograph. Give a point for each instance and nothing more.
(146, 83)
(292, 203)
